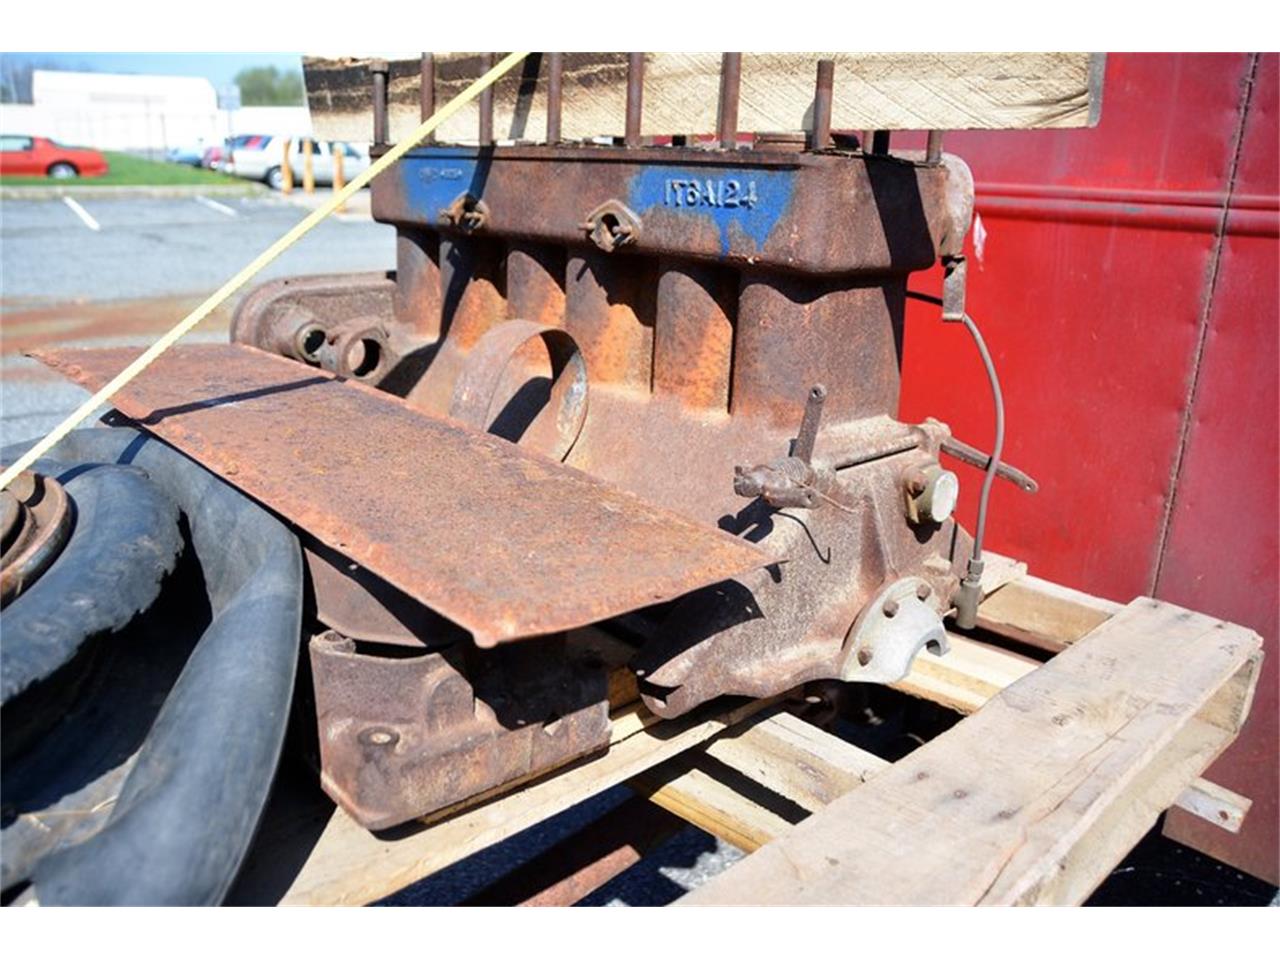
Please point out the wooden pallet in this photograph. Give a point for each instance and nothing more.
(1034, 798)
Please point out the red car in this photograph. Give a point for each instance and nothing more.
(41, 157)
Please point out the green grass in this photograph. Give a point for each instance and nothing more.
(130, 171)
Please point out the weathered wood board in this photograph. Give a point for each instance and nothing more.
(753, 782)
(1042, 613)
(1036, 796)
(872, 91)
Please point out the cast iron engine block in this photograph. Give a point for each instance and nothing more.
(716, 331)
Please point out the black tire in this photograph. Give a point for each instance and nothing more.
(275, 178)
(63, 171)
(125, 542)
(179, 715)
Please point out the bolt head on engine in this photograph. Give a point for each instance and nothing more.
(932, 494)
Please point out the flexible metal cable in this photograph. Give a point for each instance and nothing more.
(997, 398)
(998, 448)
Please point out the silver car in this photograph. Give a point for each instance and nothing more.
(264, 160)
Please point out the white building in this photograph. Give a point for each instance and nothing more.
(139, 113)
(123, 112)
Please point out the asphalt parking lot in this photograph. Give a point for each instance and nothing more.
(90, 248)
(100, 271)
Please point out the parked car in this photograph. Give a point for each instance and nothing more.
(191, 156)
(217, 157)
(41, 157)
(263, 159)
(212, 158)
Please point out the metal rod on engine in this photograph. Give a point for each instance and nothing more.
(380, 70)
(427, 90)
(822, 105)
(555, 95)
(635, 98)
(933, 152)
(486, 104)
(730, 89)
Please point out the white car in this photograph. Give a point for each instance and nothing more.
(264, 160)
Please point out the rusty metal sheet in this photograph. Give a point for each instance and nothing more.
(504, 542)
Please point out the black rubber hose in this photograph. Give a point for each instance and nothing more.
(189, 807)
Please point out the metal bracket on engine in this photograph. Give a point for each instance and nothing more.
(895, 626)
(790, 481)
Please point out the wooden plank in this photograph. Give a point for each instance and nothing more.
(965, 677)
(872, 91)
(1220, 806)
(346, 864)
(999, 571)
(777, 758)
(795, 759)
(973, 672)
(1034, 798)
(1042, 613)
(698, 796)
(811, 767)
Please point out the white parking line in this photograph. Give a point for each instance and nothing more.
(82, 213)
(215, 205)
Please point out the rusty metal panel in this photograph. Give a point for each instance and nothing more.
(505, 543)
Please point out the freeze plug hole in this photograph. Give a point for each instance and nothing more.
(364, 356)
(312, 341)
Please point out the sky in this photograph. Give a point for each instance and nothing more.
(218, 68)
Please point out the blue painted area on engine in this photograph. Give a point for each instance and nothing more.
(433, 181)
(744, 203)
(740, 201)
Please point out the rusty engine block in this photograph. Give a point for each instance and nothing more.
(715, 330)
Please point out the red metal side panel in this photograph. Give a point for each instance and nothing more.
(1225, 533)
(1092, 308)
(1092, 284)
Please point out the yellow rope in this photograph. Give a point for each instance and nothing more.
(247, 274)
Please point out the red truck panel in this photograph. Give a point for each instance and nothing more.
(1225, 532)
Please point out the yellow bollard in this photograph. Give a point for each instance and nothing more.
(336, 150)
(308, 175)
(286, 171)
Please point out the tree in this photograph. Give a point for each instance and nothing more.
(269, 87)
